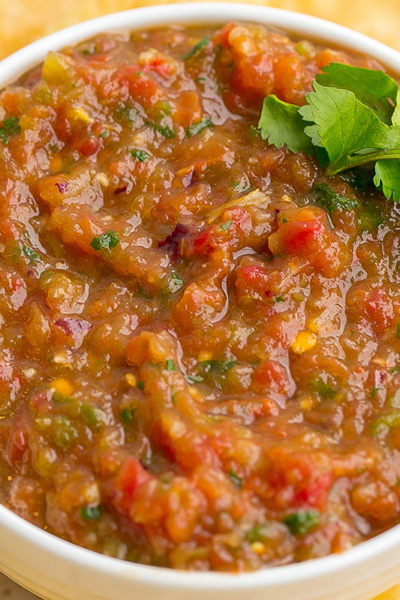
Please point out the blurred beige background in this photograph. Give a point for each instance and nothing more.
(22, 21)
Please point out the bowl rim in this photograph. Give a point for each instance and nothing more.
(11, 68)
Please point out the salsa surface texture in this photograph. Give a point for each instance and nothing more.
(200, 353)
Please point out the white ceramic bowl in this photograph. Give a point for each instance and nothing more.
(57, 570)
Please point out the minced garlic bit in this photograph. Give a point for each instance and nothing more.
(29, 373)
(61, 358)
(304, 341)
(103, 179)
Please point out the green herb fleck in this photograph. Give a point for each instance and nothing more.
(279, 299)
(374, 392)
(322, 388)
(170, 365)
(196, 48)
(254, 133)
(92, 414)
(226, 225)
(141, 155)
(105, 241)
(398, 330)
(175, 283)
(104, 133)
(302, 522)
(258, 533)
(91, 513)
(173, 397)
(60, 398)
(322, 194)
(31, 255)
(165, 130)
(9, 128)
(126, 113)
(215, 365)
(370, 217)
(236, 479)
(140, 385)
(127, 414)
(198, 127)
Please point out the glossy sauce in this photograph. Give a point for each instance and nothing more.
(199, 364)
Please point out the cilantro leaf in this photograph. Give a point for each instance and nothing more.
(127, 414)
(370, 217)
(196, 48)
(324, 195)
(373, 88)
(91, 513)
(170, 365)
(302, 522)
(107, 241)
(30, 254)
(175, 283)
(198, 127)
(216, 365)
(352, 119)
(349, 130)
(236, 479)
(140, 155)
(9, 128)
(387, 174)
(342, 124)
(280, 123)
(165, 130)
(225, 226)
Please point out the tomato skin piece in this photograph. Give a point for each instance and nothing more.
(142, 87)
(298, 238)
(186, 446)
(300, 479)
(379, 308)
(17, 444)
(89, 145)
(291, 79)
(271, 376)
(125, 485)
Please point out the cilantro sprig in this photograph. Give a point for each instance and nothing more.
(106, 241)
(350, 119)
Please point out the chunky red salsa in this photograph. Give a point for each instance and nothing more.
(200, 353)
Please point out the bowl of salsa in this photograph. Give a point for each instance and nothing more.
(199, 262)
